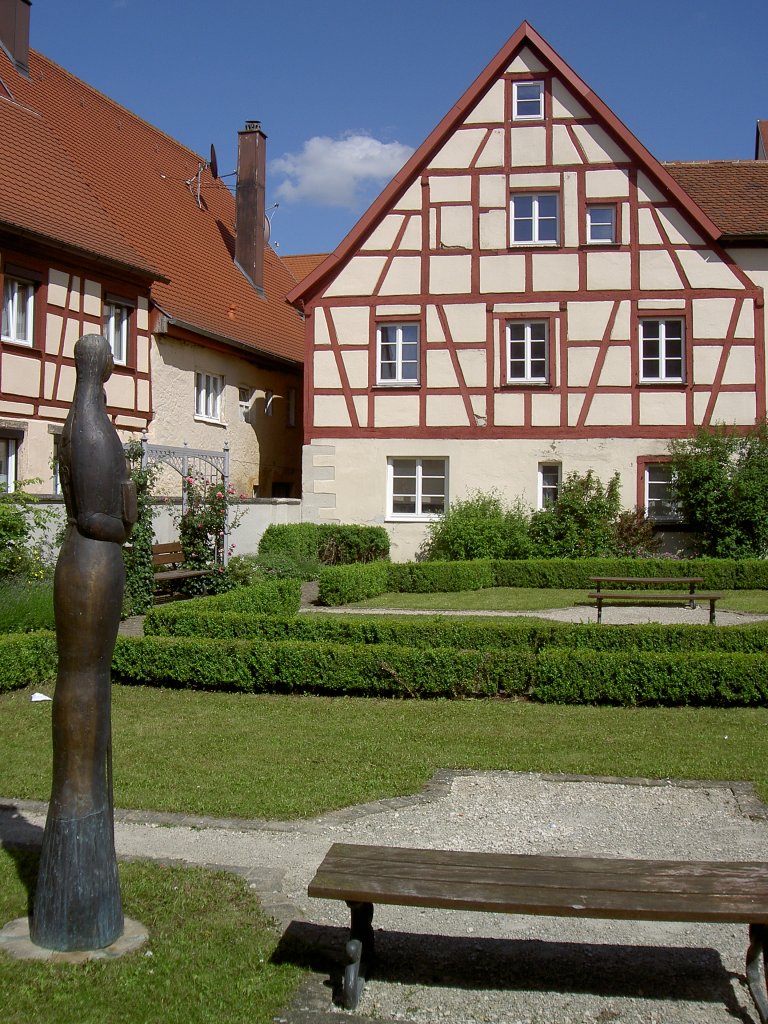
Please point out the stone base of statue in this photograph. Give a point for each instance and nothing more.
(15, 941)
(78, 906)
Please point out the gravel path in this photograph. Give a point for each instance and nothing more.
(470, 968)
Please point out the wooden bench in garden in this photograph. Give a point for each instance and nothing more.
(170, 555)
(598, 887)
(656, 596)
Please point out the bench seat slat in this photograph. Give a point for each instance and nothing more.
(649, 580)
(180, 574)
(655, 595)
(554, 886)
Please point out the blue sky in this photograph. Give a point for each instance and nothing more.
(346, 89)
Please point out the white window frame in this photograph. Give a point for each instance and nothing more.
(10, 444)
(536, 219)
(546, 484)
(244, 397)
(421, 503)
(209, 388)
(529, 377)
(652, 478)
(596, 219)
(526, 102)
(13, 287)
(117, 329)
(406, 370)
(664, 359)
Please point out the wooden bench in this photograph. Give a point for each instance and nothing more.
(173, 554)
(639, 890)
(656, 596)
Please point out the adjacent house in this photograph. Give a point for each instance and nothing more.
(108, 225)
(533, 294)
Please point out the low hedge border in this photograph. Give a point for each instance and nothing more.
(270, 597)
(341, 585)
(479, 634)
(556, 675)
(289, 666)
(331, 543)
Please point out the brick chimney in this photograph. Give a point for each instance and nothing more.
(14, 32)
(249, 223)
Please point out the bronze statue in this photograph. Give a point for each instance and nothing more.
(77, 904)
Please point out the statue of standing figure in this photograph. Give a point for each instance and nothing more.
(77, 904)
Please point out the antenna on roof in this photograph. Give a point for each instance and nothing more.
(197, 176)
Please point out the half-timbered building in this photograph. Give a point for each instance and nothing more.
(108, 225)
(533, 294)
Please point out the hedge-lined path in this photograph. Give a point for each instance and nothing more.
(471, 968)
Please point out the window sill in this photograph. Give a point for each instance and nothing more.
(654, 382)
(388, 384)
(415, 518)
(211, 422)
(17, 341)
(514, 244)
(516, 385)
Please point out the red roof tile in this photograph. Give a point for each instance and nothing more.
(138, 178)
(733, 193)
(303, 264)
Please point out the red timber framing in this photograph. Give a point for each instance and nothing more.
(664, 261)
(70, 301)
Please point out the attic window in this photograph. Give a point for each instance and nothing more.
(528, 101)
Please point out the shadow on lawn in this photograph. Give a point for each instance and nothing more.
(478, 963)
(22, 841)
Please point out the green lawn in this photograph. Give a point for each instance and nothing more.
(208, 957)
(278, 756)
(516, 599)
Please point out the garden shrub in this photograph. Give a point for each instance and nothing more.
(439, 577)
(27, 659)
(479, 526)
(343, 584)
(580, 523)
(628, 679)
(327, 543)
(137, 555)
(20, 518)
(276, 597)
(296, 667)
(721, 487)
(449, 631)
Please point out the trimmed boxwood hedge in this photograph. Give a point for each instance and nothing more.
(27, 659)
(270, 597)
(342, 584)
(383, 670)
(629, 680)
(331, 543)
(447, 631)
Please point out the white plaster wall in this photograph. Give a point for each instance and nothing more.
(510, 466)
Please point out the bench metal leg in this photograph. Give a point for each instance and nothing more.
(756, 978)
(599, 609)
(360, 953)
(711, 613)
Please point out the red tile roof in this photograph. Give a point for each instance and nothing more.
(124, 194)
(733, 193)
(303, 264)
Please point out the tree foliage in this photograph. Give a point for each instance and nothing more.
(137, 555)
(721, 487)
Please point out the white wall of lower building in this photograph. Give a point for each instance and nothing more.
(345, 480)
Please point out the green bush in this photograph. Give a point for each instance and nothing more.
(721, 486)
(439, 577)
(294, 667)
(480, 526)
(631, 680)
(448, 631)
(327, 543)
(343, 584)
(581, 522)
(276, 597)
(27, 659)
(137, 556)
(25, 604)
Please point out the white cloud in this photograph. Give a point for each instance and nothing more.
(332, 172)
